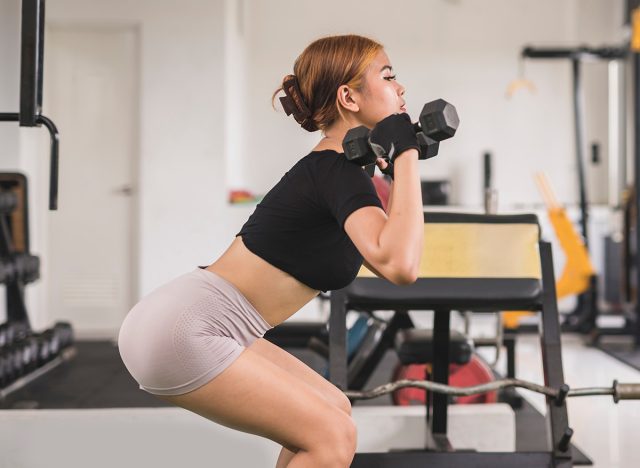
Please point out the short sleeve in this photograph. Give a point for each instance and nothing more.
(347, 189)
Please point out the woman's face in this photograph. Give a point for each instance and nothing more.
(381, 95)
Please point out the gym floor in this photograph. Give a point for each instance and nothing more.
(94, 385)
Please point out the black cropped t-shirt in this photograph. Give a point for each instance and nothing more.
(298, 226)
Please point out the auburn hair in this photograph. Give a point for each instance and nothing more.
(325, 65)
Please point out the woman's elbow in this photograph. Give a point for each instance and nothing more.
(405, 276)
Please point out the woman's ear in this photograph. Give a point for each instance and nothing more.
(347, 99)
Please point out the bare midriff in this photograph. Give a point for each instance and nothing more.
(276, 295)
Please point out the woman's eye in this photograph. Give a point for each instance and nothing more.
(389, 78)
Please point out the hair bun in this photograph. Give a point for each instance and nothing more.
(293, 103)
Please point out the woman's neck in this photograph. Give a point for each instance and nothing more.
(332, 139)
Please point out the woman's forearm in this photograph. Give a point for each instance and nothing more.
(401, 238)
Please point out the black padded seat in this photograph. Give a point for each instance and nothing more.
(476, 294)
(415, 346)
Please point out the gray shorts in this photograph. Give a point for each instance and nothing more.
(187, 332)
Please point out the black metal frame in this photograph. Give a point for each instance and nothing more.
(31, 79)
(16, 306)
(31, 62)
(438, 449)
(636, 128)
(584, 317)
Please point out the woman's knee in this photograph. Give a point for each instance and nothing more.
(338, 441)
(342, 402)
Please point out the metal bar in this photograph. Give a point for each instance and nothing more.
(619, 391)
(54, 164)
(413, 459)
(604, 53)
(636, 129)
(441, 320)
(556, 417)
(9, 117)
(55, 152)
(16, 307)
(65, 355)
(338, 339)
(579, 142)
(616, 164)
(31, 61)
(510, 344)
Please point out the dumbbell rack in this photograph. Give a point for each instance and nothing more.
(24, 355)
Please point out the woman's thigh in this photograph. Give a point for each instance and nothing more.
(255, 395)
(300, 370)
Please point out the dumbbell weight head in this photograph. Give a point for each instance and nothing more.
(54, 342)
(44, 351)
(8, 202)
(4, 372)
(439, 120)
(65, 334)
(29, 348)
(32, 269)
(7, 375)
(24, 350)
(10, 333)
(9, 271)
(428, 146)
(4, 335)
(15, 355)
(356, 146)
(6, 271)
(20, 330)
(27, 267)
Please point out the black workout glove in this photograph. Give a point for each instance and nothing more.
(392, 136)
(388, 171)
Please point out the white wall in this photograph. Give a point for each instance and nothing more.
(9, 91)
(465, 51)
(184, 218)
(9, 81)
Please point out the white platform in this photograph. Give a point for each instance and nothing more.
(173, 437)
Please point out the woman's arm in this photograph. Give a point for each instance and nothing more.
(392, 243)
(390, 200)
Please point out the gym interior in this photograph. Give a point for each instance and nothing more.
(519, 343)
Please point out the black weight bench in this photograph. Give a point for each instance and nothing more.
(415, 346)
(470, 262)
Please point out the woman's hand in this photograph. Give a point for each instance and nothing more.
(385, 167)
(392, 136)
(382, 163)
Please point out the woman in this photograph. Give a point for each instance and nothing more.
(197, 341)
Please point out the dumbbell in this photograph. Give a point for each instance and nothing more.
(44, 349)
(65, 334)
(8, 201)
(438, 121)
(25, 354)
(48, 346)
(54, 342)
(30, 353)
(6, 369)
(22, 267)
(4, 335)
(12, 331)
(14, 360)
(27, 267)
